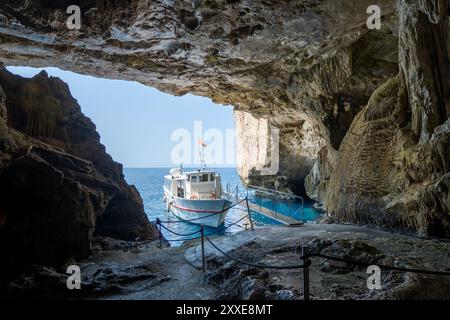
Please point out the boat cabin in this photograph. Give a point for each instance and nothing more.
(194, 185)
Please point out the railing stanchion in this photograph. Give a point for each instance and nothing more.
(290, 207)
(158, 223)
(202, 232)
(305, 275)
(249, 213)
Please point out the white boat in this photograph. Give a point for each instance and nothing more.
(195, 196)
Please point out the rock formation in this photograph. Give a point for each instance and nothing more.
(362, 113)
(58, 184)
(393, 165)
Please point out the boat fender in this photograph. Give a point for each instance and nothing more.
(169, 204)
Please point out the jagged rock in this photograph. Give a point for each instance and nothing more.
(58, 184)
(308, 68)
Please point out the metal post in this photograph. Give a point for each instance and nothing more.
(202, 232)
(303, 211)
(275, 206)
(305, 275)
(158, 223)
(249, 213)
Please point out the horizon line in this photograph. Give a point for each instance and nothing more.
(166, 167)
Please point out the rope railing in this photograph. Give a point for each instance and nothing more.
(167, 222)
(159, 223)
(304, 257)
(199, 230)
(257, 265)
(319, 255)
(307, 263)
(179, 234)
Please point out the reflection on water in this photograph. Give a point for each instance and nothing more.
(149, 182)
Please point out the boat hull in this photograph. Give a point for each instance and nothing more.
(210, 213)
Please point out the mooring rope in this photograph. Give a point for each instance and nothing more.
(167, 222)
(158, 222)
(199, 230)
(140, 243)
(179, 234)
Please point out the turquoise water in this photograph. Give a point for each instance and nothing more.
(149, 182)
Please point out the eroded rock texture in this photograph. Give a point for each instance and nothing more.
(362, 114)
(393, 165)
(58, 184)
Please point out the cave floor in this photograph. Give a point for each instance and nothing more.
(175, 272)
(145, 274)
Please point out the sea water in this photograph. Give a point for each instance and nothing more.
(149, 182)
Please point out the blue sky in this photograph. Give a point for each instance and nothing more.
(136, 122)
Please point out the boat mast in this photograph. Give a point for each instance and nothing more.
(201, 152)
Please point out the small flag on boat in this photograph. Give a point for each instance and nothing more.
(201, 143)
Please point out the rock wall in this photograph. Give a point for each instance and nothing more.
(59, 186)
(393, 165)
(361, 113)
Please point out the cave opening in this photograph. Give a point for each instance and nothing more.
(143, 129)
(134, 120)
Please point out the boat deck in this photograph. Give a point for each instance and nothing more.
(265, 211)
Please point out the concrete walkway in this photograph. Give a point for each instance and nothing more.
(265, 211)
